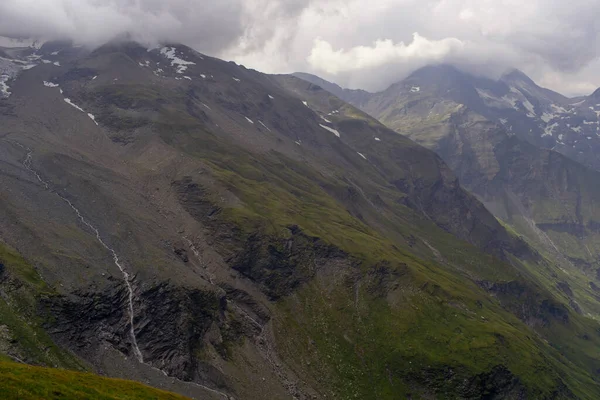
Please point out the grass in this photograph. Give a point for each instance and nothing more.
(22, 288)
(376, 348)
(25, 382)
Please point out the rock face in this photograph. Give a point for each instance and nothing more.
(202, 227)
(172, 324)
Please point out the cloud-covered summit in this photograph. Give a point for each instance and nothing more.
(355, 43)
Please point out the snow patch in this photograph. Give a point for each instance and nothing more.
(576, 129)
(546, 117)
(54, 53)
(305, 103)
(249, 120)
(511, 100)
(335, 132)
(188, 78)
(549, 129)
(558, 108)
(206, 106)
(4, 92)
(203, 76)
(377, 139)
(94, 78)
(531, 111)
(179, 63)
(362, 155)
(50, 84)
(236, 79)
(93, 118)
(260, 122)
(69, 102)
(325, 119)
(56, 63)
(271, 97)
(414, 89)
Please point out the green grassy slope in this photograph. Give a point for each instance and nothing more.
(25, 382)
(374, 332)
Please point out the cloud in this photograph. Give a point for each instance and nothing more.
(382, 52)
(210, 25)
(354, 43)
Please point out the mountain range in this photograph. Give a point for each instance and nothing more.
(185, 222)
(537, 187)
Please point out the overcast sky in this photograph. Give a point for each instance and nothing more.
(355, 43)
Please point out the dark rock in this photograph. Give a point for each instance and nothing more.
(565, 288)
(182, 254)
(527, 303)
(170, 326)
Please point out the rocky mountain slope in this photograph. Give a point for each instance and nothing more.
(540, 116)
(175, 219)
(542, 194)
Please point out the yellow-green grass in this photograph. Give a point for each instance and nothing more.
(24, 382)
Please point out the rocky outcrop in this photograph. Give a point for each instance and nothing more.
(172, 325)
(527, 303)
(282, 264)
(498, 383)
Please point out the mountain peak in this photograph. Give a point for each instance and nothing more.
(596, 94)
(436, 70)
(516, 75)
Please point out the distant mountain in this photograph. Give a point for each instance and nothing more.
(176, 219)
(540, 116)
(495, 135)
(351, 96)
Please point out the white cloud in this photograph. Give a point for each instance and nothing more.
(323, 57)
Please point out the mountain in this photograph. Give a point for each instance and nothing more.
(541, 194)
(348, 95)
(183, 221)
(540, 116)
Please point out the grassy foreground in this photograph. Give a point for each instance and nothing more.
(18, 381)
